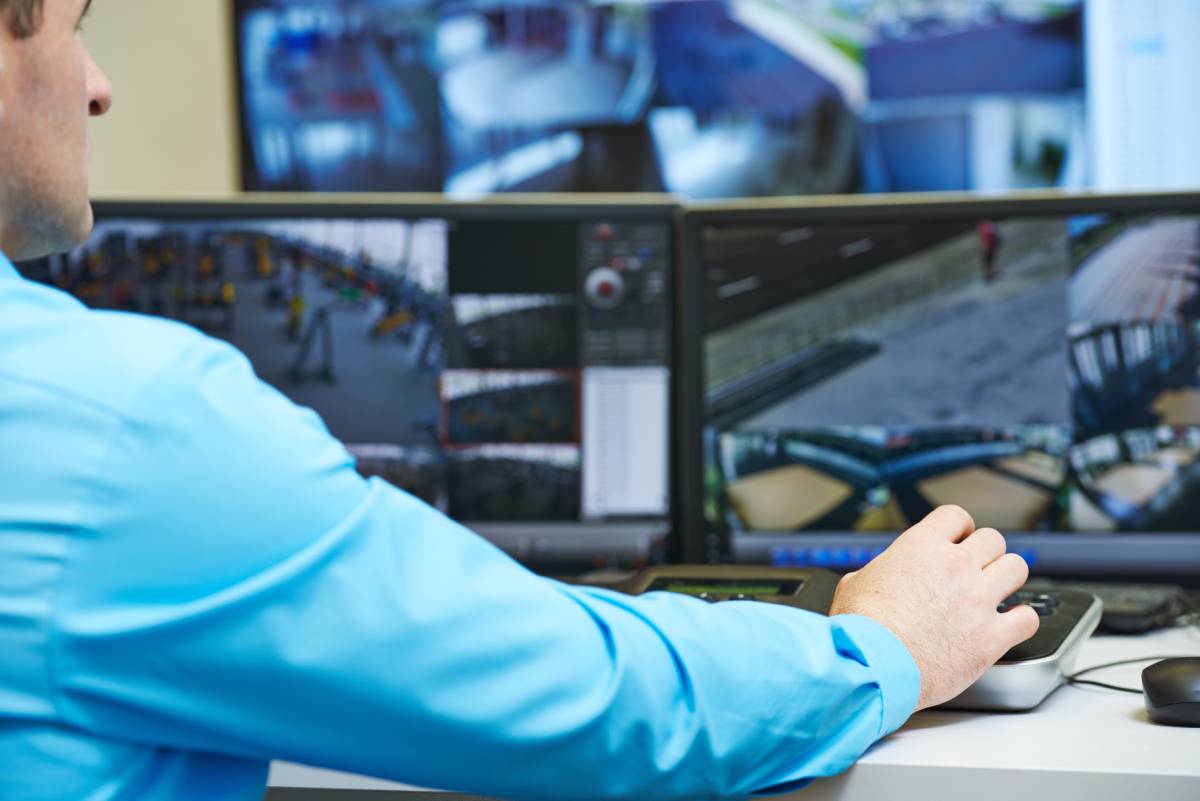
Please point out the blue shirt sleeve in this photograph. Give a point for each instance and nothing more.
(239, 589)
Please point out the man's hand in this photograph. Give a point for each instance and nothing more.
(937, 588)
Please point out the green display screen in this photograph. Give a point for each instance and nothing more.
(735, 589)
(726, 586)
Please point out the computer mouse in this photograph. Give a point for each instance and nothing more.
(1173, 691)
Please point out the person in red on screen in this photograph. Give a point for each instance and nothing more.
(989, 247)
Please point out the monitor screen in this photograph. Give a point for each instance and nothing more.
(703, 98)
(510, 366)
(1034, 361)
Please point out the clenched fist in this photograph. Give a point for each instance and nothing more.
(937, 588)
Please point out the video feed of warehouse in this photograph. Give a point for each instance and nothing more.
(444, 372)
(1044, 373)
(704, 98)
(495, 406)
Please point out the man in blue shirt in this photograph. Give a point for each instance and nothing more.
(194, 580)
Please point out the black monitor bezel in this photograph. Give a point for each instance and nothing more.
(515, 208)
(245, 151)
(698, 544)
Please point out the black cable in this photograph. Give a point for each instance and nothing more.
(1074, 679)
(1119, 663)
(1074, 682)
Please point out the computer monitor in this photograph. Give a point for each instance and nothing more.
(509, 363)
(850, 366)
(701, 98)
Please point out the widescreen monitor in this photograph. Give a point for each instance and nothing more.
(508, 363)
(851, 366)
(701, 98)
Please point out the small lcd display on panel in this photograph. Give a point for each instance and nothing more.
(728, 587)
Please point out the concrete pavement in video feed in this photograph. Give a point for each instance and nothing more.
(972, 353)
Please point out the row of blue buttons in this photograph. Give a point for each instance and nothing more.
(852, 558)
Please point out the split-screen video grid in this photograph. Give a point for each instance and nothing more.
(477, 364)
(1043, 372)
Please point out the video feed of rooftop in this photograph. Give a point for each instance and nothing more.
(932, 324)
(1135, 322)
(496, 483)
(342, 316)
(704, 98)
(872, 479)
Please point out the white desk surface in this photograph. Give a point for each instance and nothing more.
(1082, 743)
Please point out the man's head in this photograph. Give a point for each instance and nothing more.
(49, 86)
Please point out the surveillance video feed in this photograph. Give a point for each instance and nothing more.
(342, 316)
(1135, 269)
(469, 362)
(495, 406)
(1042, 372)
(871, 479)
(888, 325)
(510, 331)
(705, 98)
(492, 483)
(1135, 339)
(419, 471)
(1137, 480)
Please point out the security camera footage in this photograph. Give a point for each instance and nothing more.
(1042, 372)
(873, 478)
(505, 331)
(704, 98)
(505, 482)
(495, 406)
(468, 362)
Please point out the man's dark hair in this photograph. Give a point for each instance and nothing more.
(23, 16)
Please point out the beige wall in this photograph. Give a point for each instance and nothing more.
(172, 130)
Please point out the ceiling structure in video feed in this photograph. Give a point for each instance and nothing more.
(514, 331)
(866, 479)
(1135, 332)
(342, 316)
(937, 324)
(705, 98)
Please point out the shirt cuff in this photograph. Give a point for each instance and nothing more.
(896, 672)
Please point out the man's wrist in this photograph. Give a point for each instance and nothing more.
(896, 670)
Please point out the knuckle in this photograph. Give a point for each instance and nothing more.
(956, 512)
(987, 539)
(995, 536)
